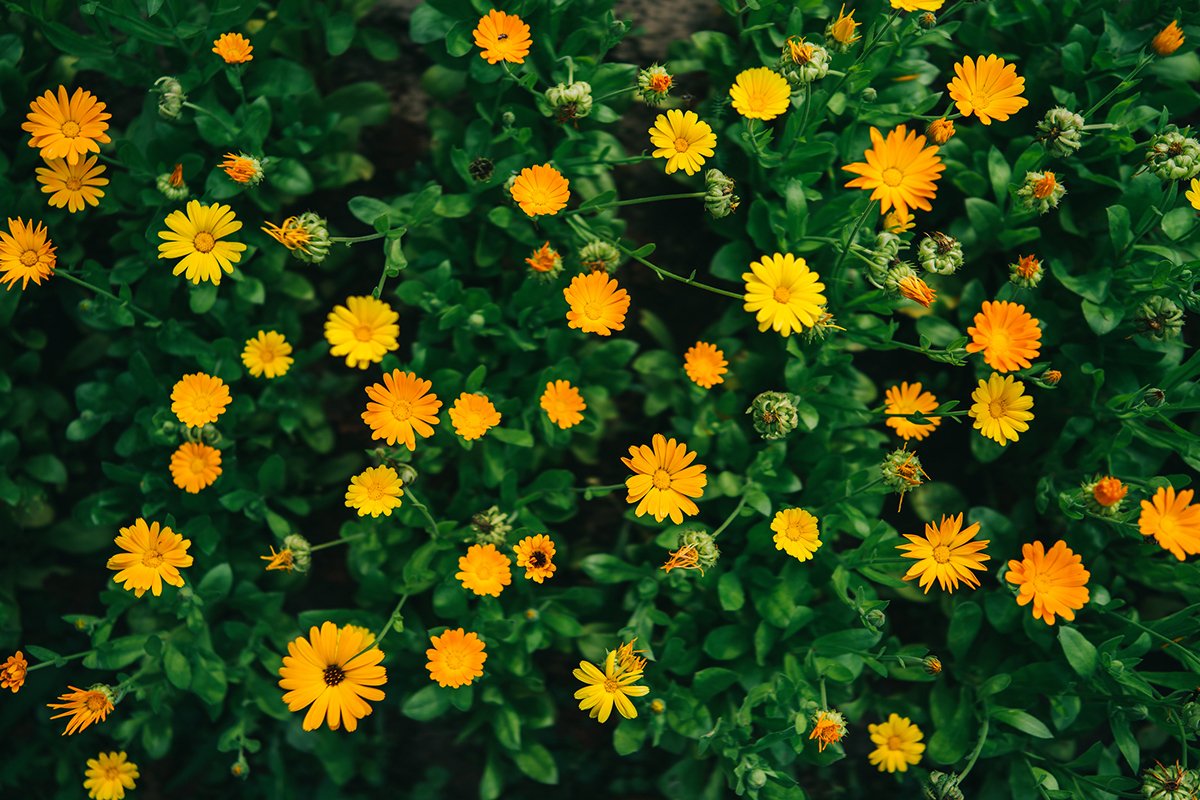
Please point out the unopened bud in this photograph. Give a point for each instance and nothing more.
(775, 414)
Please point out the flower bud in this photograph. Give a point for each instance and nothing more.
(657, 706)
(306, 236)
(1172, 156)
(1170, 782)
(756, 779)
(1051, 377)
(1168, 40)
(868, 95)
(406, 472)
(1154, 397)
(170, 97)
(942, 786)
(532, 614)
(896, 273)
(697, 550)
(1061, 132)
(940, 254)
(240, 768)
(508, 119)
(545, 263)
(570, 102)
(775, 414)
(1159, 319)
(1104, 494)
(840, 32)
(940, 131)
(1041, 191)
(803, 62)
(171, 184)
(654, 85)
(874, 619)
(902, 471)
(932, 664)
(210, 435)
(898, 221)
(1026, 272)
(301, 551)
(481, 169)
(598, 255)
(719, 199)
(928, 20)
(491, 526)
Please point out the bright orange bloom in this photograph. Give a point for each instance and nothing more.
(69, 128)
(705, 365)
(1173, 521)
(900, 171)
(541, 189)
(1109, 491)
(12, 672)
(502, 37)
(598, 304)
(1007, 335)
(233, 48)
(401, 407)
(84, 707)
(1168, 40)
(1055, 581)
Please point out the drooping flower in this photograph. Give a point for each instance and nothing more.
(1173, 521)
(1168, 40)
(484, 570)
(333, 674)
(612, 687)
(705, 365)
(917, 5)
(760, 93)
(26, 254)
(940, 131)
(473, 415)
(267, 355)
(153, 555)
(907, 398)
(842, 29)
(172, 185)
(664, 479)
(401, 408)
(1007, 335)
(683, 139)
(242, 168)
(900, 170)
(375, 491)
(796, 533)
(109, 775)
(197, 239)
(536, 555)
(541, 189)
(987, 88)
(902, 472)
(84, 707)
(72, 185)
(697, 550)
(1002, 409)
(502, 37)
(12, 672)
(456, 658)
(783, 293)
(916, 290)
(829, 727)
(598, 304)
(1055, 582)
(233, 48)
(898, 741)
(563, 404)
(364, 331)
(199, 399)
(68, 128)
(947, 552)
(284, 560)
(195, 466)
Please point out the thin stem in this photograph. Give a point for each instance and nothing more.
(62, 659)
(867, 50)
(663, 273)
(1168, 642)
(355, 239)
(610, 488)
(835, 273)
(983, 734)
(614, 93)
(824, 697)
(336, 542)
(105, 293)
(737, 509)
(417, 504)
(607, 162)
(203, 110)
(1146, 59)
(637, 201)
(387, 627)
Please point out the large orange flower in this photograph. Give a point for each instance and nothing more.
(598, 304)
(907, 398)
(1006, 334)
(987, 88)
(1055, 582)
(400, 407)
(900, 171)
(665, 479)
(69, 128)
(541, 189)
(1172, 520)
(502, 37)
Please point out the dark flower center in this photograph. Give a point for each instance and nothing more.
(538, 559)
(334, 675)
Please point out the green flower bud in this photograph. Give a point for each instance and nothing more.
(940, 254)
(508, 119)
(928, 20)
(897, 272)
(1027, 272)
(874, 619)
(803, 62)
(869, 95)
(942, 786)
(719, 199)
(210, 435)
(756, 779)
(1172, 156)
(317, 247)
(491, 526)
(570, 102)
(1159, 319)
(1154, 397)
(775, 414)
(1060, 132)
(240, 768)
(1170, 782)
(301, 551)
(405, 472)
(821, 328)
(1041, 191)
(932, 664)
(654, 85)
(170, 97)
(172, 185)
(902, 471)
(598, 255)
(886, 250)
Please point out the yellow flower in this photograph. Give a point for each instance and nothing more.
(473, 415)
(233, 48)
(375, 491)
(267, 355)
(900, 170)
(364, 331)
(1109, 491)
(917, 5)
(72, 185)
(109, 775)
(1168, 40)
(84, 707)
(898, 741)
(843, 28)
(502, 37)
(536, 555)
(829, 727)
(12, 672)
(291, 233)
(909, 399)
(1055, 582)
(330, 674)
(26, 254)
(947, 552)
(401, 407)
(598, 304)
(987, 88)
(940, 131)
(456, 658)
(153, 554)
(760, 93)
(242, 168)
(783, 293)
(1001, 410)
(484, 570)
(612, 687)
(665, 479)
(705, 365)
(898, 220)
(283, 560)
(563, 404)
(197, 239)
(683, 139)
(1173, 521)
(1193, 194)
(796, 533)
(917, 290)
(195, 466)
(541, 189)
(1007, 335)
(69, 128)
(199, 399)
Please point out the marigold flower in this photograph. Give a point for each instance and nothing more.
(1193, 194)
(1055, 582)
(909, 399)
(947, 552)
(940, 131)
(197, 238)
(536, 555)
(683, 139)
(473, 415)
(1168, 40)
(401, 408)
(26, 254)
(199, 399)
(1002, 409)
(900, 171)
(612, 687)
(1041, 191)
(902, 472)
(1007, 335)
(69, 128)
(233, 48)
(456, 658)
(898, 220)
(375, 491)
(283, 560)
(829, 727)
(1026, 272)
(109, 775)
(195, 466)
(988, 88)
(364, 331)
(705, 365)
(783, 293)
(1109, 491)
(84, 707)
(917, 5)
(545, 261)
(1172, 520)
(796, 533)
(267, 355)
(898, 742)
(654, 84)
(541, 189)
(842, 29)
(484, 570)
(664, 479)
(243, 169)
(153, 554)
(598, 304)
(760, 93)
(333, 672)
(72, 185)
(12, 672)
(502, 37)
(563, 404)
(917, 290)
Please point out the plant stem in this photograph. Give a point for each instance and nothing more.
(203, 110)
(417, 504)
(105, 293)
(52, 662)
(1168, 642)
(1132, 74)
(387, 627)
(354, 239)
(336, 542)
(614, 93)
(610, 488)
(638, 201)
(663, 273)
(737, 509)
(983, 734)
(835, 273)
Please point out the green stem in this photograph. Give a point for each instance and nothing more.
(737, 509)
(591, 489)
(1159, 211)
(876, 38)
(417, 504)
(607, 162)
(637, 201)
(835, 273)
(387, 627)
(1166, 640)
(663, 273)
(614, 93)
(983, 734)
(1145, 59)
(824, 696)
(201, 109)
(56, 661)
(105, 293)
(355, 239)
(336, 542)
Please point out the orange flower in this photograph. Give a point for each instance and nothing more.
(1173, 521)
(195, 466)
(26, 254)
(917, 290)
(940, 131)
(705, 365)
(1109, 491)
(502, 37)
(987, 88)
(401, 407)
(473, 415)
(598, 304)
(541, 189)
(65, 127)
(1007, 335)
(900, 171)
(84, 707)
(12, 672)
(233, 48)
(1168, 40)
(484, 570)
(909, 399)
(544, 259)
(1055, 582)
(243, 169)
(1045, 186)
(563, 404)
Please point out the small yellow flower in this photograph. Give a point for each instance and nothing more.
(604, 690)
(760, 93)
(334, 672)
(473, 415)
(898, 742)
(12, 672)
(947, 553)
(940, 131)
(597, 304)
(665, 480)
(1002, 409)
(796, 533)
(401, 408)
(842, 28)
(197, 238)
(917, 290)
(683, 139)
(829, 727)
(267, 355)
(1055, 581)
(909, 399)
(705, 365)
(242, 168)
(364, 331)
(484, 570)
(109, 775)
(67, 127)
(233, 48)
(783, 294)
(1109, 491)
(375, 491)
(283, 560)
(72, 185)
(153, 555)
(1193, 194)
(898, 220)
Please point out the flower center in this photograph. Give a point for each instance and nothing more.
(112, 773)
(998, 408)
(1041, 584)
(592, 310)
(73, 184)
(611, 686)
(981, 99)
(892, 176)
(941, 554)
(662, 479)
(782, 294)
(537, 559)
(364, 333)
(198, 466)
(375, 491)
(29, 258)
(893, 743)
(402, 410)
(1045, 187)
(452, 659)
(334, 675)
(95, 702)
(70, 129)
(660, 83)
(152, 558)
(204, 242)
(795, 533)
(681, 144)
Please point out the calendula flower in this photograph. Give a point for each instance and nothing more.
(1026, 272)
(563, 404)
(898, 741)
(1041, 191)
(545, 261)
(109, 775)
(473, 415)
(900, 171)
(598, 304)
(172, 185)
(72, 185)
(1170, 782)
(987, 88)
(783, 293)
(153, 555)
(1007, 335)
(199, 399)
(842, 30)
(1109, 491)
(796, 533)
(502, 37)
(267, 355)
(697, 550)
(909, 399)
(570, 102)
(401, 408)
(375, 491)
(760, 93)
(940, 131)
(612, 687)
(654, 84)
(333, 673)
(899, 220)
(67, 128)
(243, 169)
(664, 479)
(541, 189)
(829, 727)
(917, 5)
(683, 139)
(1002, 409)
(289, 233)
(12, 672)
(364, 331)
(1193, 194)
(197, 239)
(456, 658)
(484, 570)
(283, 560)
(947, 552)
(1172, 520)
(705, 365)
(1055, 582)
(932, 665)
(916, 290)
(84, 707)
(1168, 40)
(195, 466)
(233, 48)
(26, 254)
(536, 555)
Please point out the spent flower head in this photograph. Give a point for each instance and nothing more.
(775, 414)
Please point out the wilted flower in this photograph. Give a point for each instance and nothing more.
(1104, 494)
(1061, 131)
(1172, 156)
(598, 255)
(1041, 191)
(243, 168)
(491, 526)
(654, 84)
(170, 97)
(481, 169)
(775, 414)
(1159, 319)
(719, 199)
(829, 727)
(697, 550)
(301, 551)
(1173, 782)
(1026, 272)
(570, 101)
(306, 236)
(172, 185)
(803, 62)
(942, 786)
(902, 471)
(940, 254)
(821, 328)
(545, 263)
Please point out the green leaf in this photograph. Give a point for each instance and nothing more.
(1000, 173)
(216, 583)
(513, 436)
(177, 668)
(1125, 740)
(46, 468)
(1080, 653)
(1119, 227)
(1103, 317)
(537, 764)
(42, 653)
(290, 176)
(507, 725)
(605, 568)
(427, 703)
(713, 680)
(727, 642)
(339, 33)
(730, 592)
(628, 737)
(368, 209)
(202, 297)
(1178, 222)
(1022, 721)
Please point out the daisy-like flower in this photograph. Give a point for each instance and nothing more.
(401, 408)
(783, 293)
(917, 290)
(153, 555)
(898, 741)
(1055, 582)
(233, 48)
(502, 37)
(898, 220)
(1007, 335)
(84, 707)
(829, 727)
(1193, 194)
(612, 687)
(536, 555)
(72, 185)
(541, 189)
(109, 775)
(597, 302)
(987, 88)
(12, 672)
(907, 398)
(665, 479)
(563, 404)
(197, 239)
(375, 491)
(291, 233)
(940, 131)
(199, 399)
(330, 674)
(26, 254)
(900, 171)
(1172, 520)
(473, 415)
(364, 331)
(760, 93)
(947, 552)
(484, 570)
(917, 5)
(842, 28)
(456, 658)
(1168, 40)
(1001, 409)
(284, 560)
(705, 365)
(68, 128)
(242, 168)
(796, 533)
(195, 466)
(683, 139)
(267, 355)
